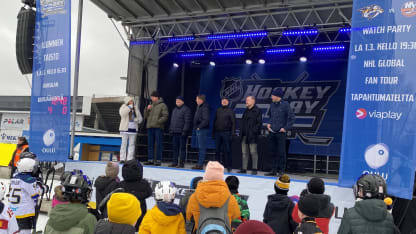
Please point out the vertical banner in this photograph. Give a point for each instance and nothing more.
(380, 110)
(51, 82)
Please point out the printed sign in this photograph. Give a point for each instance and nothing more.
(15, 121)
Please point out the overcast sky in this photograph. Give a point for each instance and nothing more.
(103, 56)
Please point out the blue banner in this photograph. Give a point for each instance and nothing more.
(315, 90)
(380, 110)
(51, 82)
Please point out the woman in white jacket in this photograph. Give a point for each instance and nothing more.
(130, 120)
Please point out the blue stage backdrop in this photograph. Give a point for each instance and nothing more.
(51, 82)
(315, 90)
(380, 112)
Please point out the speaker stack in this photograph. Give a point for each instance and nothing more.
(24, 39)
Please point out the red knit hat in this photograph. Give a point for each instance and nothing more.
(254, 227)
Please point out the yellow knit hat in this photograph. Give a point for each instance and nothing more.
(123, 208)
(283, 182)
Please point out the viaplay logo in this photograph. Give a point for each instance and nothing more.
(361, 113)
(409, 9)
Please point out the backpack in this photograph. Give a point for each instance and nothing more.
(214, 220)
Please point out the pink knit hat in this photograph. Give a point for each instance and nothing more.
(214, 171)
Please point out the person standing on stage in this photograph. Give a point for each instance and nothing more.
(224, 128)
(130, 120)
(201, 125)
(250, 130)
(156, 115)
(22, 146)
(281, 120)
(180, 125)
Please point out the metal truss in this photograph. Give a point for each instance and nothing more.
(327, 17)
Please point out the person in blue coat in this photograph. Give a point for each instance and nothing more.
(281, 120)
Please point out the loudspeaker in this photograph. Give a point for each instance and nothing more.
(24, 39)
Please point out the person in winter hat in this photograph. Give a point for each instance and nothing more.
(165, 216)
(317, 186)
(369, 214)
(134, 183)
(308, 210)
(279, 207)
(212, 192)
(233, 184)
(107, 183)
(58, 197)
(123, 211)
(404, 213)
(130, 118)
(183, 203)
(254, 227)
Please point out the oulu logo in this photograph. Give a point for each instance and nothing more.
(377, 155)
(409, 9)
(362, 114)
(371, 12)
(307, 99)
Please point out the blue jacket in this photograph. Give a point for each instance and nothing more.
(201, 118)
(181, 120)
(281, 116)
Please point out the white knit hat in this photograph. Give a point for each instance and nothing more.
(128, 99)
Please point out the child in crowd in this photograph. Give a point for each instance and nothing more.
(183, 203)
(58, 197)
(233, 184)
(134, 183)
(254, 227)
(308, 209)
(369, 214)
(8, 223)
(279, 207)
(165, 216)
(106, 184)
(73, 217)
(123, 211)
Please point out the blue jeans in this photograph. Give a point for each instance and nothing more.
(202, 138)
(179, 147)
(152, 135)
(223, 143)
(278, 140)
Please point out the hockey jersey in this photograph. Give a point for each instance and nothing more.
(23, 195)
(8, 223)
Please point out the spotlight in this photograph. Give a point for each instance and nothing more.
(248, 61)
(262, 61)
(303, 59)
(175, 65)
(212, 63)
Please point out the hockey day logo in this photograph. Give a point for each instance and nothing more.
(308, 100)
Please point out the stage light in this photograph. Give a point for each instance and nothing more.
(248, 61)
(331, 48)
(142, 42)
(190, 55)
(231, 52)
(287, 50)
(303, 59)
(237, 35)
(300, 32)
(175, 65)
(345, 30)
(176, 39)
(212, 63)
(262, 61)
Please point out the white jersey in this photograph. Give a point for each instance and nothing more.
(8, 223)
(23, 195)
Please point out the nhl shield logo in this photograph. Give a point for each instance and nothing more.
(232, 88)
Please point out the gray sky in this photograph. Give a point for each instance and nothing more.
(103, 56)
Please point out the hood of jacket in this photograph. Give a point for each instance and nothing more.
(65, 216)
(279, 201)
(132, 171)
(106, 227)
(165, 213)
(373, 210)
(212, 193)
(102, 182)
(327, 208)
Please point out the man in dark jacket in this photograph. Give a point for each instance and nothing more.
(201, 125)
(156, 115)
(278, 211)
(281, 120)
(250, 130)
(224, 128)
(134, 183)
(180, 125)
(369, 214)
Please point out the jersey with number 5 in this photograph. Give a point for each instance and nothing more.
(23, 195)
